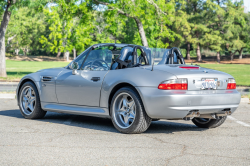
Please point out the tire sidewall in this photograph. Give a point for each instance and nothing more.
(211, 124)
(139, 110)
(37, 104)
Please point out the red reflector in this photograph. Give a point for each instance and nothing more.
(189, 67)
(231, 86)
(176, 86)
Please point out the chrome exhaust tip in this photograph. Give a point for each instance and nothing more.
(227, 111)
(192, 114)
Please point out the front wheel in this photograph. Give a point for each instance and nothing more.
(29, 102)
(127, 112)
(209, 123)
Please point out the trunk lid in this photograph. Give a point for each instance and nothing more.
(196, 75)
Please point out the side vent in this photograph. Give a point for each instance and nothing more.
(46, 78)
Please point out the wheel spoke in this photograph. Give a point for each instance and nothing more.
(131, 116)
(25, 98)
(26, 104)
(121, 112)
(124, 101)
(31, 107)
(32, 98)
(29, 93)
(131, 104)
(126, 120)
(32, 101)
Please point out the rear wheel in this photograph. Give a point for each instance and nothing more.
(209, 123)
(29, 102)
(127, 112)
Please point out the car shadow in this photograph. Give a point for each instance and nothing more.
(104, 124)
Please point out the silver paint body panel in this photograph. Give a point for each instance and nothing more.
(79, 89)
(75, 109)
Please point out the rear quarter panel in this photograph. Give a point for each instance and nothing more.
(137, 77)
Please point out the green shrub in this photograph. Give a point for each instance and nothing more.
(9, 54)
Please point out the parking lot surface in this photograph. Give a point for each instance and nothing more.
(63, 139)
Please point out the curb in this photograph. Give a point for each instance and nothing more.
(244, 100)
(9, 83)
(7, 96)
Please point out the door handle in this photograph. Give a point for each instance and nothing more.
(95, 79)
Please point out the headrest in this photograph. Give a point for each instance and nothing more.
(126, 52)
(148, 54)
(164, 59)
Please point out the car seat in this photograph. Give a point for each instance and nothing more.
(126, 56)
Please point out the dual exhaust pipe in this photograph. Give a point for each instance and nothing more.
(196, 114)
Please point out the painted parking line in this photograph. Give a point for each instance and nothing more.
(239, 122)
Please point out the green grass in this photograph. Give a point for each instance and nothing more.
(240, 72)
(17, 69)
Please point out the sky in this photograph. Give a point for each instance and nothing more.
(247, 4)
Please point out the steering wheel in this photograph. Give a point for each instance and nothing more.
(91, 64)
(99, 61)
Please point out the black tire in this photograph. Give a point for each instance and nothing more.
(38, 112)
(155, 120)
(209, 123)
(141, 121)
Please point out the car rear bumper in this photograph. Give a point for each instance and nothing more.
(169, 104)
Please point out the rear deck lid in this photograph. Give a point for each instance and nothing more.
(199, 78)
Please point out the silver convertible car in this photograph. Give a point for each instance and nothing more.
(120, 81)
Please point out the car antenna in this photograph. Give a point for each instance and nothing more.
(153, 63)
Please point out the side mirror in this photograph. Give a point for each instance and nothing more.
(74, 66)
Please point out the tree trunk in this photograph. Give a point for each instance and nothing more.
(3, 28)
(141, 32)
(16, 51)
(74, 53)
(241, 51)
(218, 57)
(188, 51)
(231, 55)
(24, 52)
(66, 56)
(198, 53)
(58, 54)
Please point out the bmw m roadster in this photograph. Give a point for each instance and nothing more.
(121, 82)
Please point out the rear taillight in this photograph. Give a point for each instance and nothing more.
(231, 84)
(174, 84)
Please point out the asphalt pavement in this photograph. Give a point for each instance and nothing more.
(63, 139)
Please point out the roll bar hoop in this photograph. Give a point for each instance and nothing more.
(178, 53)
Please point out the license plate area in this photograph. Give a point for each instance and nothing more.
(209, 83)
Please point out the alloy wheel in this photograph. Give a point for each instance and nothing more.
(28, 100)
(124, 110)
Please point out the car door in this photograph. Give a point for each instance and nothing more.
(84, 88)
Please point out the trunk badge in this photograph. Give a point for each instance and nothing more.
(205, 71)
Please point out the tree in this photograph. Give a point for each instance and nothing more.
(190, 24)
(69, 25)
(24, 31)
(214, 16)
(234, 30)
(181, 27)
(151, 16)
(8, 7)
